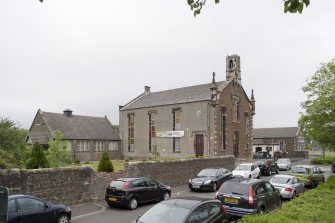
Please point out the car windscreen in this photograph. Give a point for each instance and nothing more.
(243, 167)
(164, 213)
(234, 188)
(117, 184)
(282, 161)
(299, 170)
(207, 173)
(280, 180)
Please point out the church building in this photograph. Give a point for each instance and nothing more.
(207, 120)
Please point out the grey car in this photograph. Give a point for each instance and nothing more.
(284, 163)
(289, 186)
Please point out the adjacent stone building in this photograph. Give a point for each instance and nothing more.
(88, 136)
(289, 139)
(212, 119)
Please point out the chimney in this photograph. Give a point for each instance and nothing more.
(68, 113)
(146, 89)
(253, 102)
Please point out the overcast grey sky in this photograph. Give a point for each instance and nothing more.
(94, 55)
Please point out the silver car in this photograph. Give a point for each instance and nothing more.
(288, 186)
(284, 164)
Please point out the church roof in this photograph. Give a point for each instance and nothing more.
(281, 132)
(174, 96)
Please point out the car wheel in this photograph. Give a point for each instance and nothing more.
(261, 211)
(277, 171)
(166, 196)
(259, 176)
(64, 218)
(269, 172)
(250, 176)
(214, 187)
(323, 180)
(294, 194)
(313, 184)
(133, 204)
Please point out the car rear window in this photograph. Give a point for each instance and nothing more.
(301, 170)
(280, 180)
(260, 162)
(117, 184)
(234, 188)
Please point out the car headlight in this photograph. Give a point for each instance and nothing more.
(207, 182)
(190, 181)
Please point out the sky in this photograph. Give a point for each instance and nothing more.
(92, 56)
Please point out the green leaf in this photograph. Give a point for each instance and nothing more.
(301, 7)
(307, 2)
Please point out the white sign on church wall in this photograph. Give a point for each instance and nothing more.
(176, 134)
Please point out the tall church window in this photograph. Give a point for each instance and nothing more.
(246, 131)
(223, 128)
(236, 109)
(152, 127)
(131, 132)
(176, 126)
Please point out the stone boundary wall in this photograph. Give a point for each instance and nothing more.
(75, 185)
(61, 185)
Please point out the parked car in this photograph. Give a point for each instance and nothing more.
(246, 170)
(333, 168)
(241, 196)
(310, 175)
(267, 167)
(182, 210)
(209, 179)
(30, 209)
(284, 164)
(289, 186)
(130, 192)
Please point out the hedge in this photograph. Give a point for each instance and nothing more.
(328, 160)
(316, 205)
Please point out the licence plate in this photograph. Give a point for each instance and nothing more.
(231, 200)
(112, 198)
(196, 186)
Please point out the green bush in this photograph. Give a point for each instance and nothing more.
(317, 205)
(105, 164)
(38, 158)
(328, 160)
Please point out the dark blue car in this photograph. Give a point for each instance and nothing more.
(30, 209)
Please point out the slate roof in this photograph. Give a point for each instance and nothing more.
(81, 127)
(283, 132)
(174, 96)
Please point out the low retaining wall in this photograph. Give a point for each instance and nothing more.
(81, 184)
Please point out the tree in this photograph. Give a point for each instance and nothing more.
(12, 144)
(105, 164)
(318, 119)
(38, 158)
(57, 154)
(292, 6)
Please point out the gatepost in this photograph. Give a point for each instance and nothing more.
(3, 204)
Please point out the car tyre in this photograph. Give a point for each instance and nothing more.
(259, 176)
(133, 203)
(269, 172)
(277, 170)
(293, 195)
(63, 218)
(214, 187)
(166, 196)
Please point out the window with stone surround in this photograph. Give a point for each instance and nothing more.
(176, 126)
(83, 146)
(131, 132)
(223, 128)
(152, 127)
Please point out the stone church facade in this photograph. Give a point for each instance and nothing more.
(212, 119)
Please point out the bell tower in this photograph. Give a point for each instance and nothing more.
(233, 68)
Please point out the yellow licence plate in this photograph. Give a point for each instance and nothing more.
(112, 198)
(231, 200)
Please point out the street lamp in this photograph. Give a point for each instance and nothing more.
(214, 92)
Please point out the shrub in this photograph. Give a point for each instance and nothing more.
(328, 160)
(38, 158)
(105, 164)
